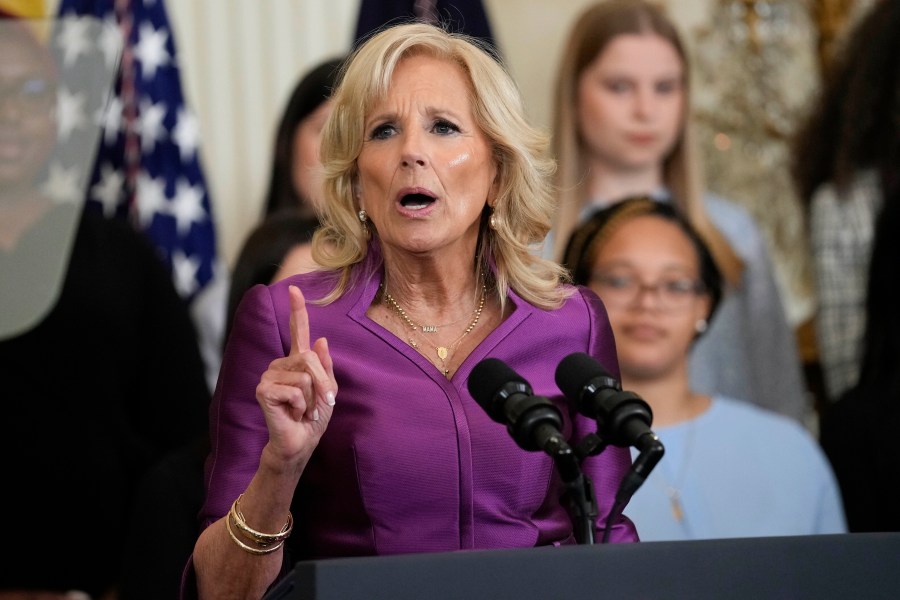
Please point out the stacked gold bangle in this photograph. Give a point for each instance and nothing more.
(262, 543)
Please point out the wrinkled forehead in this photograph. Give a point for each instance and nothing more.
(452, 65)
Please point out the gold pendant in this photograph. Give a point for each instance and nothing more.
(675, 501)
(442, 352)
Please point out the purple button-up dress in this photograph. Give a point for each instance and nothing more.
(410, 462)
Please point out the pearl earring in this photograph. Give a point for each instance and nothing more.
(701, 325)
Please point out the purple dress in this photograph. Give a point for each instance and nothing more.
(409, 462)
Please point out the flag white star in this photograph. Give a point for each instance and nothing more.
(187, 205)
(186, 134)
(110, 41)
(185, 272)
(151, 49)
(108, 190)
(151, 124)
(69, 112)
(74, 38)
(151, 198)
(63, 184)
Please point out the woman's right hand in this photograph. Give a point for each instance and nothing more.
(297, 392)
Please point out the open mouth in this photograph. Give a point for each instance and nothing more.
(416, 201)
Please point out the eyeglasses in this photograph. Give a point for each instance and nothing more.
(624, 290)
(30, 97)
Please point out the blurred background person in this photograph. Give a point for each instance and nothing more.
(846, 162)
(622, 127)
(105, 377)
(295, 183)
(847, 169)
(858, 431)
(296, 178)
(730, 469)
(280, 245)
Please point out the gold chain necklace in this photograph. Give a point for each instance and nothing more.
(423, 328)
(444, 353)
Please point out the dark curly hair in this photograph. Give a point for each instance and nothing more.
(855, 122)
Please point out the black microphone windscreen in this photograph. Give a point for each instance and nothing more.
(575, 371)
(487, 378)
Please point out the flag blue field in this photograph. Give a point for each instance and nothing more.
(148, 168)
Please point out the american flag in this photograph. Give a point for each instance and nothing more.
(148, 167)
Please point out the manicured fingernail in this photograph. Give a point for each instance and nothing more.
(315, 416)
(329, 398)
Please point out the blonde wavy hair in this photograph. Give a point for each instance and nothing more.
(594, 29)
(525, 201)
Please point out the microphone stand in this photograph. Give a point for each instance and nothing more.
(651, 451)
(580, 494)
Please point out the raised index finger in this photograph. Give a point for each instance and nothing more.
(299, 321)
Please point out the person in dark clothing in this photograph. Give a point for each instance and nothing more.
(846, 166)
(104, 386)
(857, 431)
(99, 358)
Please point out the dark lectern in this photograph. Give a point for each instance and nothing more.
(865, 566)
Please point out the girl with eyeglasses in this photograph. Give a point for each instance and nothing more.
(730, 469)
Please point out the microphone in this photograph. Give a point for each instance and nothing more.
(534, 422)
(623, 419)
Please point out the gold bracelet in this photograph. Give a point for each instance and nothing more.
(260, 538)
(244, 546)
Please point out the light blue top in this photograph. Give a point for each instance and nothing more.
(740, 471)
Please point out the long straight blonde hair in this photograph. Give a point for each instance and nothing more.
(594, 29)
